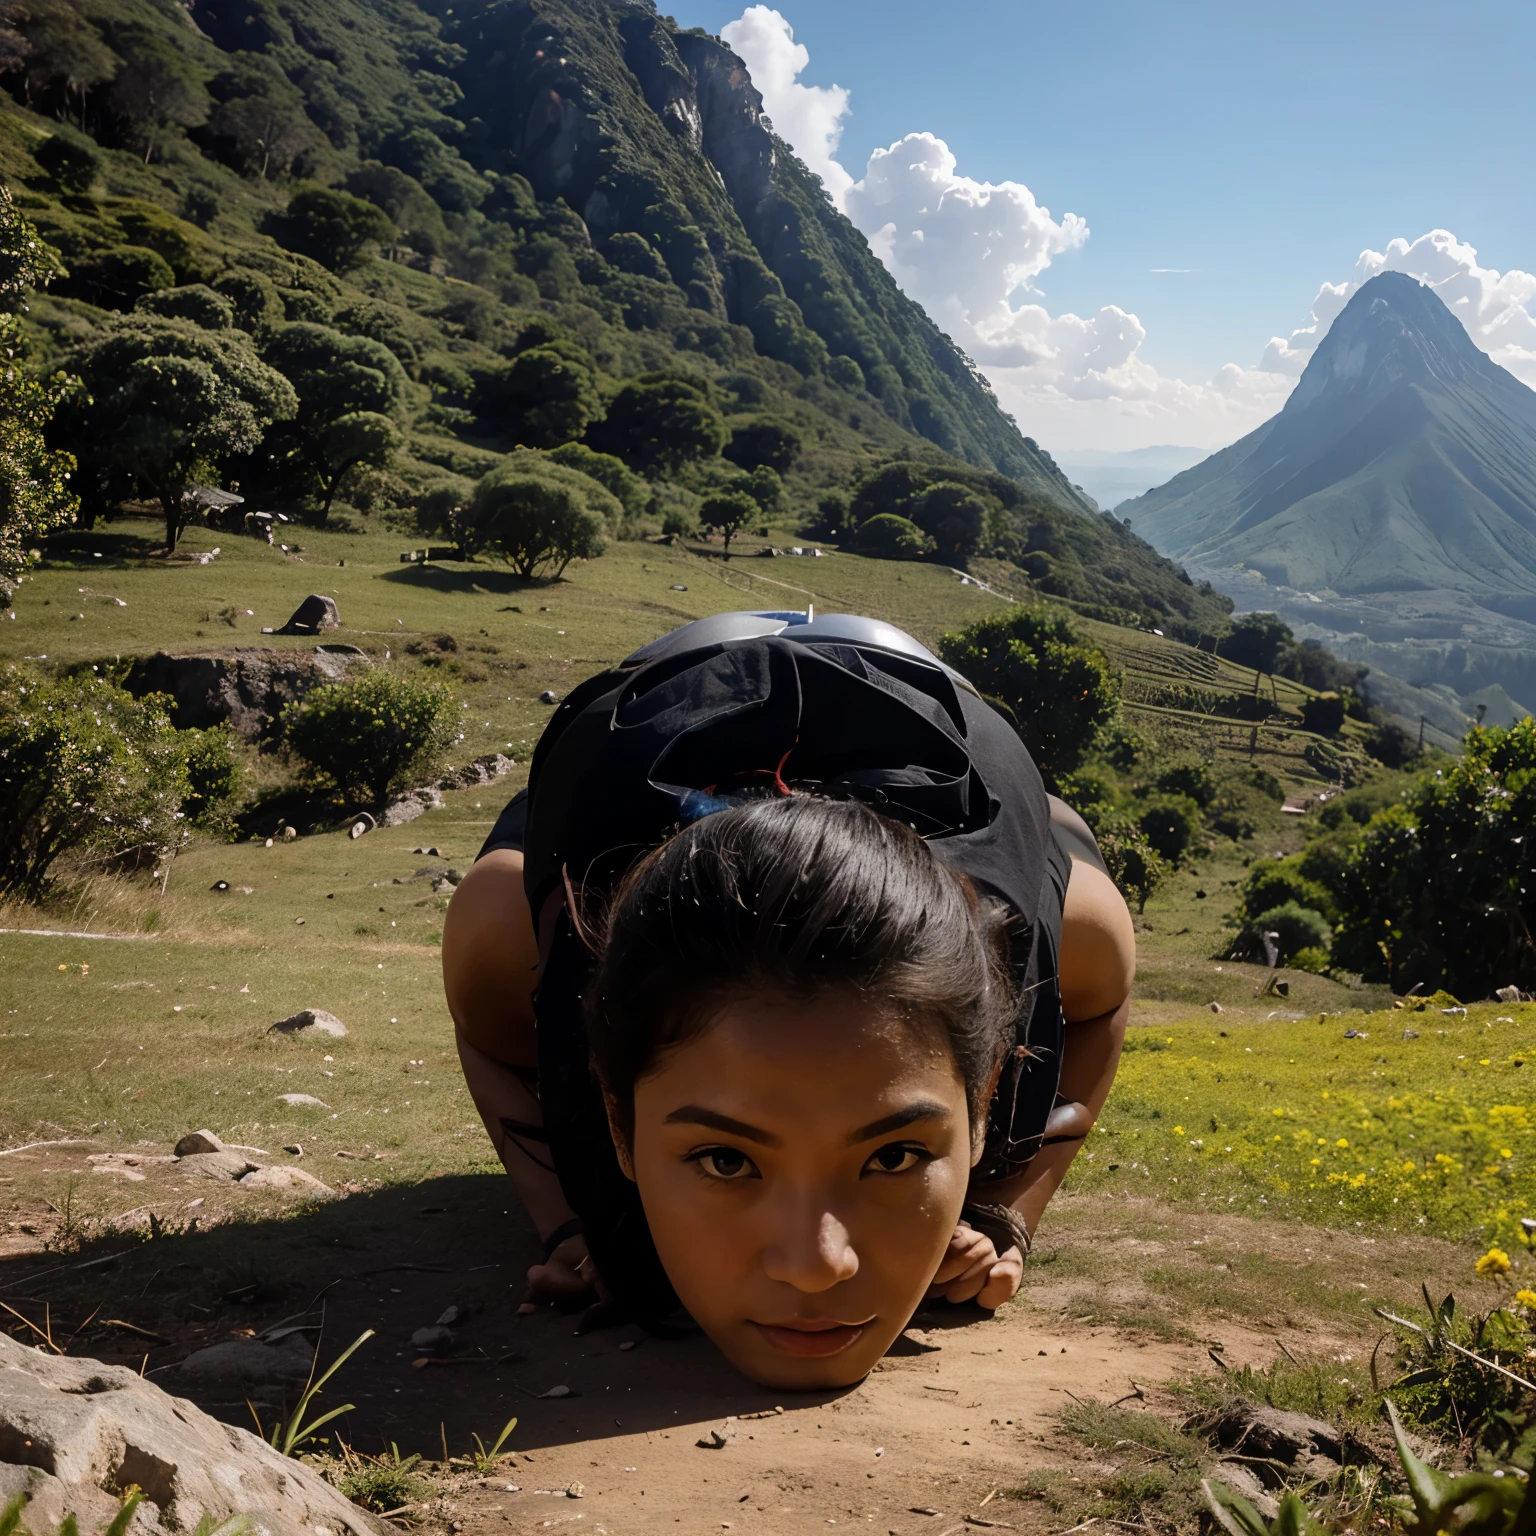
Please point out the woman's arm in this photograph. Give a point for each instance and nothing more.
(1097, 965)
(490, 970)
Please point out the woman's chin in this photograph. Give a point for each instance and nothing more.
(805, 1362)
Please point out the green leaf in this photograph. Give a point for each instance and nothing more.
(1236, 1515)
(1424, 1483)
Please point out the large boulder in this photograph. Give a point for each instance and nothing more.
(316, 614)
(75, 1434)
(245, 688)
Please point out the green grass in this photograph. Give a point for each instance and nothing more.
(1291, 1120)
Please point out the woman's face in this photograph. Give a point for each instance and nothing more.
(802, 1164)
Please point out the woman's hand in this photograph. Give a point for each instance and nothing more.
(973, 1270)
(568, 1279)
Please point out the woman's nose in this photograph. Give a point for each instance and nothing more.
(812, 1252)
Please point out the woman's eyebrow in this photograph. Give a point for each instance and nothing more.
(696, 1114)
(923, 1109)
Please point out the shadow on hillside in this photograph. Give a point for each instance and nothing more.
(431, 577)
(391, 1259)
(85, 545)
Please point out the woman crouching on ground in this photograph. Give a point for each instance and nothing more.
(786, 993)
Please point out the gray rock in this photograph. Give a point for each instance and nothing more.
(336, 661)
(246, 1363)
(198, 1141)
(452, 1316)
(287, 1181)
(75, 1433)
(1243, 1480)
(410, 805)
(483, 770)
(316, 614)
(548, 697)
(220, 1166)
(362, 826)
(1274, 1435)
(310, 1021)
(303, 1100)
(246, 688)
(435, 1339)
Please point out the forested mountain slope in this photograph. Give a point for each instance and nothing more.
(460, 229)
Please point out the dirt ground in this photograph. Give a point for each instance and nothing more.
(1121, 1298)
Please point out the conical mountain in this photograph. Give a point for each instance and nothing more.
(1404, 462)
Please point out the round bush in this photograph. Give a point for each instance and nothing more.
(196, 302)
(1324, 713)
(1296, 928)
(215, 779)
(372, 734)
(845, 372)
(889, 537)
(85, 768)
(1170, 824)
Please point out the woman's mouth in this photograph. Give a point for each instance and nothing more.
(812, 1338)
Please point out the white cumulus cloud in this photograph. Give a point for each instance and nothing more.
(1494, 306)
(970, 252)
(808, 117)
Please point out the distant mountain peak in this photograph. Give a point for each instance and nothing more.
(1404, 461)
(1394, 329)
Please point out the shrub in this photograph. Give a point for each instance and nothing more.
(728, 513)
(215, 779)
(889, 537)
(1323, 713)
(1061, 692)
(1133, 864)
(116, 279)
(1273, 882)
(73, 165)
(371, 734)
(1440, 888)
(1194, 780)
(679, 523)
(196, 302)
(539, 515)
(1296, 928)
(543, 397)
(85, 768)
(1171, 823)
(1312, 959)
(614, 475)
(660, 426)
(764, 442)
(331, 227)
(845, 372)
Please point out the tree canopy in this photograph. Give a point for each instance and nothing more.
(660, 426)
(1060, 692)
(35, 494)
(728, 512)
(166, 405)
(539, 515)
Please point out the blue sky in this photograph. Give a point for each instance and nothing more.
(1261, 147)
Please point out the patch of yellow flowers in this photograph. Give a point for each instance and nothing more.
(1373, 1130)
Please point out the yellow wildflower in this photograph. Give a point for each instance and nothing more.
(1178, 1130)
(1494, 1262)
(1341, 1143)
(1505, 1152)
(1526, 1299)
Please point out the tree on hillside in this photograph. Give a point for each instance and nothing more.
(660, 426)
(165, 405)
(541, 398)
(260, 117)
(63, 57)
(1441, 889)
(332, 227)
(954, 517)
(156, 90)
(539, 515)
(764, 441)
(728, 513)
(1061, 693)
(1256, 640)
(614, 475)
(35, 495)
(337, 379)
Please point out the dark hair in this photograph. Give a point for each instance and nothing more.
(804, 896)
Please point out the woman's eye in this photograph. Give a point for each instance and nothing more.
(896, 1158)
(724, 1163)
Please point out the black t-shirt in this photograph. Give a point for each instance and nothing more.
(610, 779)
